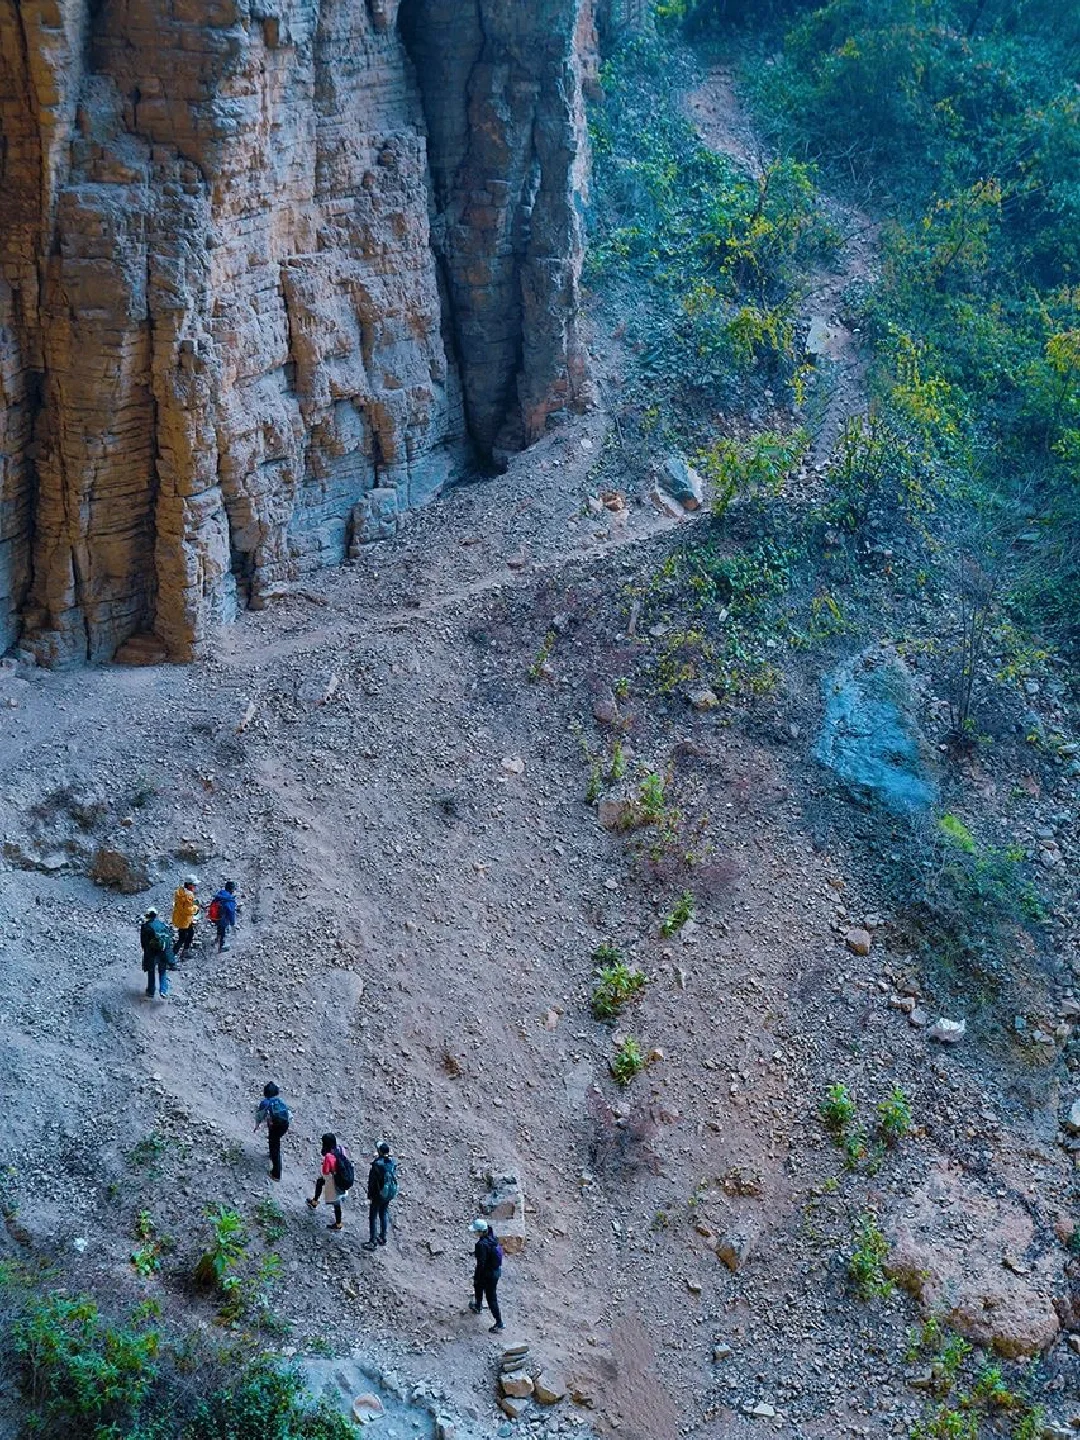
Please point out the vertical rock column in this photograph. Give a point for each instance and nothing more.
(501, 84)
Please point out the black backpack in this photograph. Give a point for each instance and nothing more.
(344, 1170)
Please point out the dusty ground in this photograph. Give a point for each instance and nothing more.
(423, 886)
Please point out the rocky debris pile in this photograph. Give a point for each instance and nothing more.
(680, 483)
(523, 1382)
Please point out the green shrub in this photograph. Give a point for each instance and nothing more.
(81, 1376)
(715, 255)
(758, 466)
(627, 1062)
(615, 987)
(267, 1403)
(894, 1117)
(228, 1245)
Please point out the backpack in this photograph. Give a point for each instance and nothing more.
(214, 912)
(278, 1111)
(344, 1170)
(155, 939)
(389, 1184)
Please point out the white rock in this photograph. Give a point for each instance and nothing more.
(947, 1032)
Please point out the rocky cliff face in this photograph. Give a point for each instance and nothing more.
(271, 273)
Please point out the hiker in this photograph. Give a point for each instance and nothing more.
(486, 1276)
(277, 1115)
(222, 913)
(185, 911)
(336, 1178)
(381, 1189)
(158, 959)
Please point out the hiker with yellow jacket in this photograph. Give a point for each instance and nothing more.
(185, 912)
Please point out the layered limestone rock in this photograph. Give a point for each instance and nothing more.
(262, 292)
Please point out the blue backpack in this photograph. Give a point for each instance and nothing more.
(389, 1184)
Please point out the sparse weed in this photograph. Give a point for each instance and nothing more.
(627, 1062)
(1030, 1425)
(837, 1110)
(866, 1265)
(147, 1257)
(621, 688)
(678, 915)
(954, 829)
(148, 1153)
(947, 1424)
(990, 1389)
(652, 797)
(543, 655)
(951, 1360)
(595, 788)
(618, 762)
(854, 1144)
(271, 1219)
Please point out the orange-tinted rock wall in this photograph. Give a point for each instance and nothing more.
(264, 286)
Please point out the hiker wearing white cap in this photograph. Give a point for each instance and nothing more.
(155, 937)
(486, 1276)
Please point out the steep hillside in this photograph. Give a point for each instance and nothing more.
(682, 821)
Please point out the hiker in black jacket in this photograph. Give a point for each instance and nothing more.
(273, 1110)
(489, 1258)
(155, 937)
(381, 1189)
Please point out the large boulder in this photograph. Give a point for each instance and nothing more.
(682, 482)
(974, 1259)
(870, 736)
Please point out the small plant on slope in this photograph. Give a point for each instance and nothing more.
(837, 1110)
(627, 1062)
(616, 984)
(680, 913)
(866, 1267)
(894, 1117)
